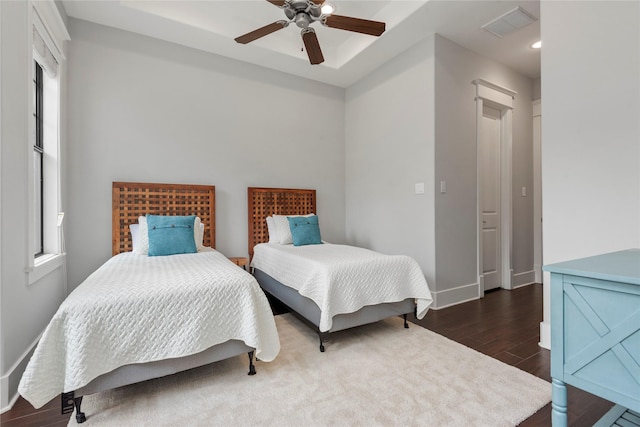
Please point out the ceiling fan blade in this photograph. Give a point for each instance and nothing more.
(364, 26)
(278, 3)
(261, 32)
(313, 47)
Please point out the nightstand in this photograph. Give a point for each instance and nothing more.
(240, 261)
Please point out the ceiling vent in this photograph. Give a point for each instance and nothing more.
(509, 22)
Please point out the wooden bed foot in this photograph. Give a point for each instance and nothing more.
(406, 325)
(252, 368)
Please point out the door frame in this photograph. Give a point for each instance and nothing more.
(537, 190)
(502, 99)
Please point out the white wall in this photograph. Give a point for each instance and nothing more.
(537, 88)
(389, 148)
(591, 129)
(26, 309)
(4, 400)
(147, 110)
(413, 120)
(455, 153)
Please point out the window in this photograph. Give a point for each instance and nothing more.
(44, 235)
(38, 156)
(45, 169)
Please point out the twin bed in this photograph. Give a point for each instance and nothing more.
(141, 317)
(331, 287)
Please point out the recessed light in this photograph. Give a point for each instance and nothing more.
(536, 45)
(328, 8)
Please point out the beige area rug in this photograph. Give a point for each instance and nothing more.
(379, 374)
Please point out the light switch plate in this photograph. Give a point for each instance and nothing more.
(420, 188)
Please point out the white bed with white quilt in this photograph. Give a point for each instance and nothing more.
(342, 279)
(139, 317)
(332, 287)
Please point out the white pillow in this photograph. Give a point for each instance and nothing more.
(282, 228)
(271, 228)
(134, 228)
(140, 240)
(200, 236)
(142, 246)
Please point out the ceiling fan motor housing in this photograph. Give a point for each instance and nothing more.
(302, 12)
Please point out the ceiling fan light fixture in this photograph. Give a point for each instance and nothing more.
(327, 8)
(302, 20)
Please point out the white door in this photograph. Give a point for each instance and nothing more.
(490, 197)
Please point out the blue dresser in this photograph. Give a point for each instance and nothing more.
(595, 329)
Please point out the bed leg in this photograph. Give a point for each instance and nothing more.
(80, 417)
(69, 402)
(406, 325)
(322, 337)
(252, 368)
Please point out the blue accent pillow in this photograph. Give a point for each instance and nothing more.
(305, 230)
(169, 235)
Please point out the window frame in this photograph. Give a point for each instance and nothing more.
(45, 18)
(38, 147)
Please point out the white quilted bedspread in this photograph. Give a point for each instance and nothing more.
(343, 279)
(137, 309)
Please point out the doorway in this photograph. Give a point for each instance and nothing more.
(494, 112)
(489, 174)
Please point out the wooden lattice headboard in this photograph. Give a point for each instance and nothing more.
(275, 201)
(133, 199)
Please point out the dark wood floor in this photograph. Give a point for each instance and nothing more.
(504, 325)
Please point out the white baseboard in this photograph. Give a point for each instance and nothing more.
(455, 296)
(545, 335)
(507, 282)
(9, 382)
(523, 279)
(10, 403)
(4, 396)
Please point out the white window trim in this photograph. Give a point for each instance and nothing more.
(46, 18)
(51, 27)
(44, 265)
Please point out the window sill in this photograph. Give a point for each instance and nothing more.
(44, 265)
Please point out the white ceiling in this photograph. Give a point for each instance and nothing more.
(212, 25)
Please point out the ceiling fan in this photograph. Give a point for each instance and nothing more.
(306, 12)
